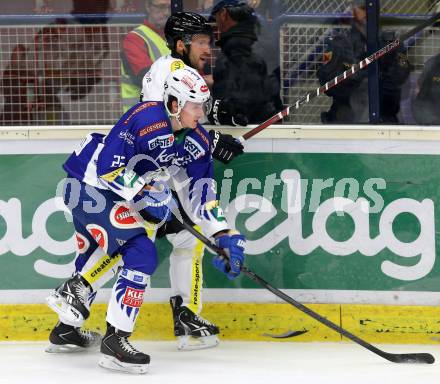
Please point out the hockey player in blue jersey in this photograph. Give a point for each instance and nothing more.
(186, 266)
(153, 147)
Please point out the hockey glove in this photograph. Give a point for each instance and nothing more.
(155, 202)
(234, 248)
(224, 147)
(227, 112)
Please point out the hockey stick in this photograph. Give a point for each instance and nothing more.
(417, 358)
(342, 77)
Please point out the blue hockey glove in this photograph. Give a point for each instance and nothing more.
(155, 202)
(234, 247)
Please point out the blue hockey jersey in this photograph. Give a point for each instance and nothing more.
(137, 147)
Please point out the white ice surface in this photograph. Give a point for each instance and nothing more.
(229, 363)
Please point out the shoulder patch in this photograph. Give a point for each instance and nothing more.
(177, 64)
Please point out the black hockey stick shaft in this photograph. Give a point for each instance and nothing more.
(342, 77)
(420, 358)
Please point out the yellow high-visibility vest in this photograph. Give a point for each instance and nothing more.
(157, 47)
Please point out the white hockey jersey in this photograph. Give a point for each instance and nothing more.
(154, 80)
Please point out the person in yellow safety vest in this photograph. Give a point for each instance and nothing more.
(140, 48)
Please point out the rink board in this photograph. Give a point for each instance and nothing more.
(384, 258)
(251, 322)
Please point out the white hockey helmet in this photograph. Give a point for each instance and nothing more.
(185, 84)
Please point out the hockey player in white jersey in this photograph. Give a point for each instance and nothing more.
(189, 38)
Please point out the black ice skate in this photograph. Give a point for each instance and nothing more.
(66, 338)
(118, 354)
(192, 331)
(69, 300)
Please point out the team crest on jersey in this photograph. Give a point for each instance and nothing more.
(204, 88)
(193, 148)
(99, 234)
(164, 141)
(122, 217)
(177, 64)
(82, 243)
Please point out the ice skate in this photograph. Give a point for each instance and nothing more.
(119, 355)
(66, 338)
(69, 300)
(192, 331)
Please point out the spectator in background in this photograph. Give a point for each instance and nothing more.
(338, 57)
(243, 92)
(394, 69)
(425, 106)
(140, 48)
(55, 69)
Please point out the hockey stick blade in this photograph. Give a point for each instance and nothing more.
(415, 358)
(409, 358)
(341, 77)
(286, 335)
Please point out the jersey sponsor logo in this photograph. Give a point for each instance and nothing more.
(177, 64)
(164, 141)
(121, 242)
(81, 242)
(204, 88)
(140, 108)
(99, 234)
(138, 279)
(190, 83)
(107, 261)
(133, 297)
(127, 137)
(166, 157)
(193, 148)
(154, 127)
(196, 289)
(122, 217)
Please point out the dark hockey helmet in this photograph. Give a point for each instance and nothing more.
(183, 26)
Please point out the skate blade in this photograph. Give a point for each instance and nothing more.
(110, 362)
(189, 343)
(67, 348)
(57, 303)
